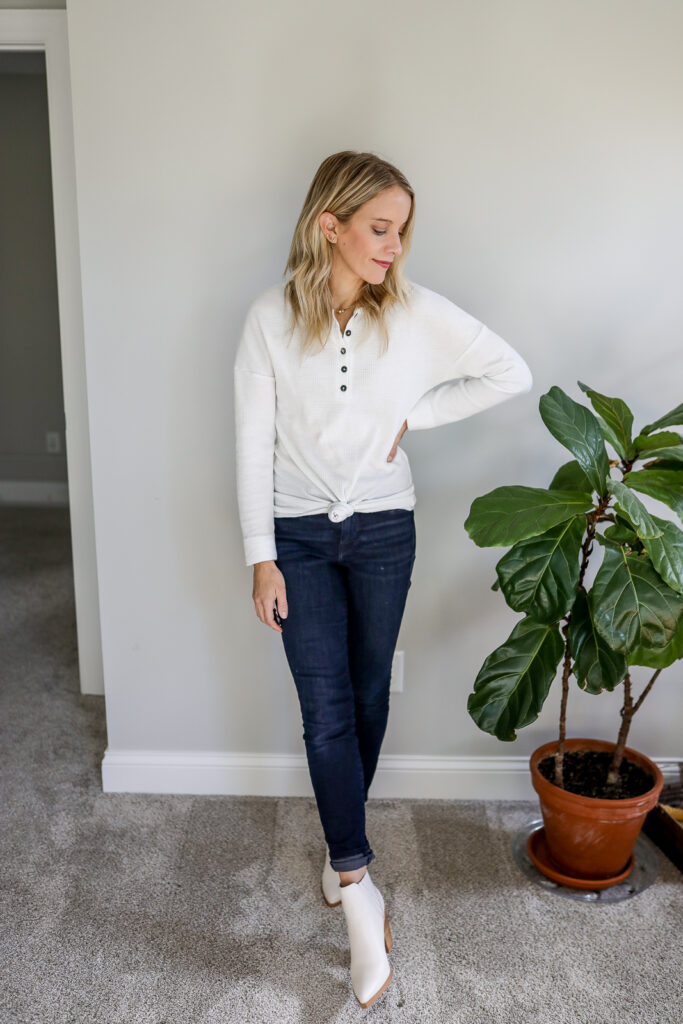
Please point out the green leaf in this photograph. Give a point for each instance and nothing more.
(621, 534)
(540, 575)
(622, 520)
(509, 514)
(670, 464)
(674, 454)
(514, 681)
(618, 535)
(631, 604)
(606, 541)
(614, 439)
(667, 443)
(674, 418)
(633, 509)
(666, 485)
(570, 477)
(666, 553)
(660, 657)
(596, 666)
(660, 538)
(617, 418)
(577, 429)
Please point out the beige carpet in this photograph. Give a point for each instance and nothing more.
(124, 909)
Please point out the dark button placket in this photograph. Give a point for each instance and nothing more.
(343, 367)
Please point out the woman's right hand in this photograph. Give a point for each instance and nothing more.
(269, 585)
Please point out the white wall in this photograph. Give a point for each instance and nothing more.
(544, 144)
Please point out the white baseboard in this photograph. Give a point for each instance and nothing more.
(410, 775)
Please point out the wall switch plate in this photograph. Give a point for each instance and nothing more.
(396, 685)
(53, 442)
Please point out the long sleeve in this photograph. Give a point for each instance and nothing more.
(488, 372)
(254, 397)
(313, 433)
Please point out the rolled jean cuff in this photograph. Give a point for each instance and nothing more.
(359, 860)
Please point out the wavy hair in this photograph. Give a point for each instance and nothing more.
(342, 183)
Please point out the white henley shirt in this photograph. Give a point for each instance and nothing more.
(313, 433)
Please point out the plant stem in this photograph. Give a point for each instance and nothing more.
(559, 756)
(627, 712)
(626, 716)
(645, 692)
(586, 548)
(628, 709)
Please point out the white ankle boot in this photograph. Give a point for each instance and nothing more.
(330, 884)
(369, 937)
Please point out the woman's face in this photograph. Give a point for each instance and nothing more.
(366, 245)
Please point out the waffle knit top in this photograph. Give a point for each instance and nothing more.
(313, 432)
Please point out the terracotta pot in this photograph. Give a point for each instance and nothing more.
(589, 837)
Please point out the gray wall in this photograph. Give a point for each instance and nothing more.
(33, 5)
(31, 398)
(544, 144)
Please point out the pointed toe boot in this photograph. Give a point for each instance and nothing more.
(369, 938)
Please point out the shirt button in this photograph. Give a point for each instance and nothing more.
(343, 387)
(347, 333)
(343, 369)
(343, 351)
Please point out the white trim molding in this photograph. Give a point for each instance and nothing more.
(411, 776)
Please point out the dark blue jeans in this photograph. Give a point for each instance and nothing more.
(347, 585)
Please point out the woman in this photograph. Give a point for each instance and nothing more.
(332, 368)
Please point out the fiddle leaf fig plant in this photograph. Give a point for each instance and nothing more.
(633, 613)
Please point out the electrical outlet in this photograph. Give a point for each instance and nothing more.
(396, 684)
(53, 441)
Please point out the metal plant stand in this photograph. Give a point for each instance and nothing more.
(642, 875)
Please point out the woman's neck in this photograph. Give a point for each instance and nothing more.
(344, 291)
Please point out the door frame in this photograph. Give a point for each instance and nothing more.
(46, 30)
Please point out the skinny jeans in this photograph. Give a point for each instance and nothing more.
(347, 583)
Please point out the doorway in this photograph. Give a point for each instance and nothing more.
(45, 467)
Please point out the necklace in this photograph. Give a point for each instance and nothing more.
(345, 308)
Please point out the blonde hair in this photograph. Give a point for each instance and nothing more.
(341, 185)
